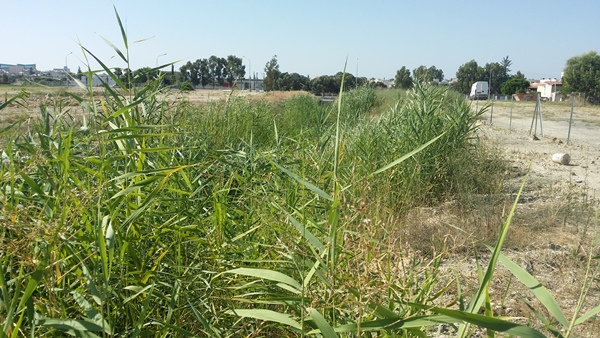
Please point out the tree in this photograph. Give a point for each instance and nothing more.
(79, 73)
(467, 74)
(495, 75)
(203, 72)
(428, 75)
(582, 74)
(349, 81)
(191, 73)
(293, 81)
(324, 84)
(403, 79)
(126, 76)
(516, 84)
(420, 74)
(234, 69)
(435, 74)
(272, 73)
(505, 63)
(184, 72)
(144, 75)
(216, 70)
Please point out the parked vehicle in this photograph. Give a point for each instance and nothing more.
(480, 90)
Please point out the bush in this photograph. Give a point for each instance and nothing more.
(186, 86)
(426, 113)
(514, 85)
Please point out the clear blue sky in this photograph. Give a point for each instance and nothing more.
(309, 37)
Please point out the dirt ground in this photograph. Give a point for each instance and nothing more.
(557, 217)
(515, 135)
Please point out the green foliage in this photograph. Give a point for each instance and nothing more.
(468, 74)
(425, 113)
(516, 84)
(403, 79)
(293, 81)
(234, 69)
(495, 73)
(428, 75)
(186, 86)
(272, 74)
(145, 74)
(357, 104)
(582, 74)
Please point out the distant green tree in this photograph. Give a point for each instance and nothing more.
(428, 75)
(234, 69)
(582, 74)
(467, 74)
(293, 81)
(377, 84)
(420, 74)
(204, 72)
(496, 75)
(79, 73)
(506, 63)
(349, 81)
(435, 74)
(403, 79)
(184, 73)
(272, 74)
(516, 84)
(216, 70)
(193, 75)
(144, 74)
(324, 84)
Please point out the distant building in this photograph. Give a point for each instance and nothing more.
(243, 84)
(18, 68)
(549, 89)
(98, 80)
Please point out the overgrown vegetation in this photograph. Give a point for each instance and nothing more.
(133, 216)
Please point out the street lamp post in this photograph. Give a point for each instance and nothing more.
(67, 68)
(158, 57)
(249, 71)
(66, 64)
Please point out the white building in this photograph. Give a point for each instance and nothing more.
(549, 89)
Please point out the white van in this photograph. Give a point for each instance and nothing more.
(480, 90)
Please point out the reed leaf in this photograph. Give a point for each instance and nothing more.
(266, 315)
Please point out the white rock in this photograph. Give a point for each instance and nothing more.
(561, 158)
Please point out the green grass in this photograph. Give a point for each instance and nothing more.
(130, 215)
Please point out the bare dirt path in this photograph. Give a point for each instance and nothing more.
(554, 224)
(523, 149)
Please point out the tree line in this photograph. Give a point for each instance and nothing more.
(496, 73)
(581, 74)
(274, 79)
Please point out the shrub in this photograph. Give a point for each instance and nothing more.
(186, 86)
(514, 85)
(424, 114)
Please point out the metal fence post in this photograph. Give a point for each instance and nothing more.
(571, 118)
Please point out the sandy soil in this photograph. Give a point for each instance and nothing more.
(516, 136)
(554, 245)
